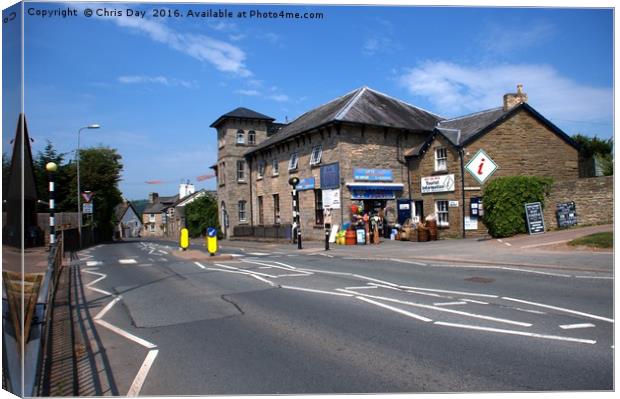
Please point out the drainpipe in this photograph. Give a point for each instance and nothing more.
(461, 155)
(251, 199)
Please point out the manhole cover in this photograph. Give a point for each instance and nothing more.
(484, 280)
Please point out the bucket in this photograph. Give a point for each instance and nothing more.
(350, 237)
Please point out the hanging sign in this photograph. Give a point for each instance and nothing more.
(437, 184)
(331, 199)
(306, 184)
(534, 216)
(361, 174)
(481, 166)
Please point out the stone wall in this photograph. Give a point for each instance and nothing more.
(593, 197)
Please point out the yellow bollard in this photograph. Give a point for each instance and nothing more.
(184, 239)
(212, 240)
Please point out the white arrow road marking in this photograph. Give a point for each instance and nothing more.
(513, 332)
(136, 385)
(573, 326)
(592, 316)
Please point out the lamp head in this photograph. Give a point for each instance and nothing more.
(293, 181)
(51, 167)
(94, 126)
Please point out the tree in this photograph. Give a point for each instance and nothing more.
(200, 214)
(61, 177)
(593, 147)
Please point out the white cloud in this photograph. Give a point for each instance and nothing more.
(143, 79)
(506, 39)
(224, 56)
(456, 89)
(278, 97)
(251, 93)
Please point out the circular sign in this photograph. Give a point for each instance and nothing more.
(211, 231)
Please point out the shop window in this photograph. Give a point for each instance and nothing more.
(241, 171)
(275, 167)
(240, 137)
(441, 159)
(317, 151)
(292, 162)
(251, 137)
(242, 213)
(276, 209)
(441, 210)
(318, 207)
(261, 219)
(261, 169)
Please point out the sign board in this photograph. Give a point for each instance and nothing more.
(437, 184)
(361, 174)
(88, 196)
(330, 176)
(211, 231)
(87, 208)
(534, 216)
(331, 199)
(453, 204)
(306, 184)
(471, 223)
(481, 166)
(373, 194)
(567, 214)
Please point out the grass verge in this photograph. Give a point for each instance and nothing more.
(597, 240)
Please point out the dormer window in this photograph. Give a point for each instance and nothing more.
(251, 137)
(240, 137)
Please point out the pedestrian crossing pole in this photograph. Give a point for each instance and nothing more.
(293, 181)
(51, 168)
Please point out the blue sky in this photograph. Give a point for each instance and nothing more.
(156, 84)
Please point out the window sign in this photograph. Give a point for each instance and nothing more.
(361, 174)
(331, 199)
(471, 223)
(306, 184)
(330, 176)
(437, 184)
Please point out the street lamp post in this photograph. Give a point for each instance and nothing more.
(79, 193)
(51, 168)
(294, 181)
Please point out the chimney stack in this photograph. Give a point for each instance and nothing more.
(153, 197)
(513, 99)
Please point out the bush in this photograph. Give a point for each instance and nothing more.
(200, 214)
(504, 199)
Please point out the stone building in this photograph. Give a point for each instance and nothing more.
(378, 152)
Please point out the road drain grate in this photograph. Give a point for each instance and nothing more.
(484, 280)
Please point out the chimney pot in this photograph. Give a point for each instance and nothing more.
(511, 100)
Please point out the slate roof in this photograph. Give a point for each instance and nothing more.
(160, 204)
(242, 113)
(121, 209)
(362, 106)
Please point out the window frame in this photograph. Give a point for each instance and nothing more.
(151, 218)
(252, 136)
(316, 154)
(293, 161)
(318, 207)
(241, 211)
(276, 209)
(260, 170)
(240, 171)
(240, 135)
(441, 163)
(261, 210)
(275, 167)
(440, 219)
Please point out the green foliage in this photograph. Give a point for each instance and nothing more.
(200, 214)
(504, 199)
(62, 178)
(596, 240)
(590, 146)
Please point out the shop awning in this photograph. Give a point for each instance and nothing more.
(376, 186)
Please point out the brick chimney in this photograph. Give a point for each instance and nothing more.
(513, 99)
(153, 197)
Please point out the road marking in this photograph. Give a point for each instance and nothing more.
(535, 272)
(508, 244)
(126, 334)
(265, 267)
(573, 326)
(596, 277)
(138, 381)
(100, 291)
(163, 252)
(408, 262)
(200, 265)
(561, 309)
(374, 279)
(312, 290)
(397, 310)
(530, 311)
(543, 244)
(419, 305)
(474, 301)
(94, 263)
(449, 303)
(427, 294)
(127, 261)
(258, 253)
(107, 308)
(513, 332)
(236, 255)
(145, 264)
(365, 287)
(448, 292)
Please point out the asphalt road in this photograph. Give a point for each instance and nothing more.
(286, 323)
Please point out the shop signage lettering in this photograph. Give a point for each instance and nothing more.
(437, 184)
(361, 174)
(330, 176)
(534, 216)
(331, 199)
(481, 166)
(372, 194)
(306, 184)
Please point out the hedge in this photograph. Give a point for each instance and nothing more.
(504, 199)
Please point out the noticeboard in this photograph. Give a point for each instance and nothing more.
(330, 176)
(534, 216)
(567, 214)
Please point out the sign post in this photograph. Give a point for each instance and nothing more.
(534, 216)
